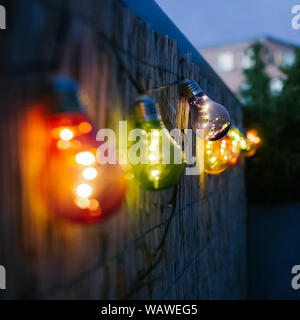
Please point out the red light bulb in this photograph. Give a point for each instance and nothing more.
(80, 189)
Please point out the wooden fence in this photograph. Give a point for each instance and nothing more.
(186, 242)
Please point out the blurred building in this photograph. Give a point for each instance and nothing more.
(230, 60)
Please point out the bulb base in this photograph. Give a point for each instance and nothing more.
(190, 88)
(62, 95)
(145, 109)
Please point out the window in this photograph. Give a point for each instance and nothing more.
(276, 85)
(247, 61)
(278, 58)
(288, 59)
(225, 62)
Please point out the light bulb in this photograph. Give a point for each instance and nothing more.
(85, 158)
(219, 155)
(89, 173)
(216, 156)
(84, 190)
(162, 169)
(233, 151)
(253, 137)
(238, 139)
(211, 119)
(79, 188)
(254, 142)
(66, 134)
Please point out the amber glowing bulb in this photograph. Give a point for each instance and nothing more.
(216, 156)
(254, 142)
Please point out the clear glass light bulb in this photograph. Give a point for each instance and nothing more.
(162, 169)
(210, 118)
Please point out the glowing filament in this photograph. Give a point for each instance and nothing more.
(213, 159)
(66, 134)
(84, 190)
(89, 173)
(253, 138)
(85, 158)
(154, 173)
(243, 144)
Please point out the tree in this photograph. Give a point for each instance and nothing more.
(273, 173)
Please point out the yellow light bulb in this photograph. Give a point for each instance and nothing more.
(215, 156)
(66, 134)
(238, 139)
(85, 158)
(89, 173)
(243, 144)
(84, 190)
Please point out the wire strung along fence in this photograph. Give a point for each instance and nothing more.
(184, 242)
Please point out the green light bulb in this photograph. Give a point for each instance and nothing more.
(163, 159)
